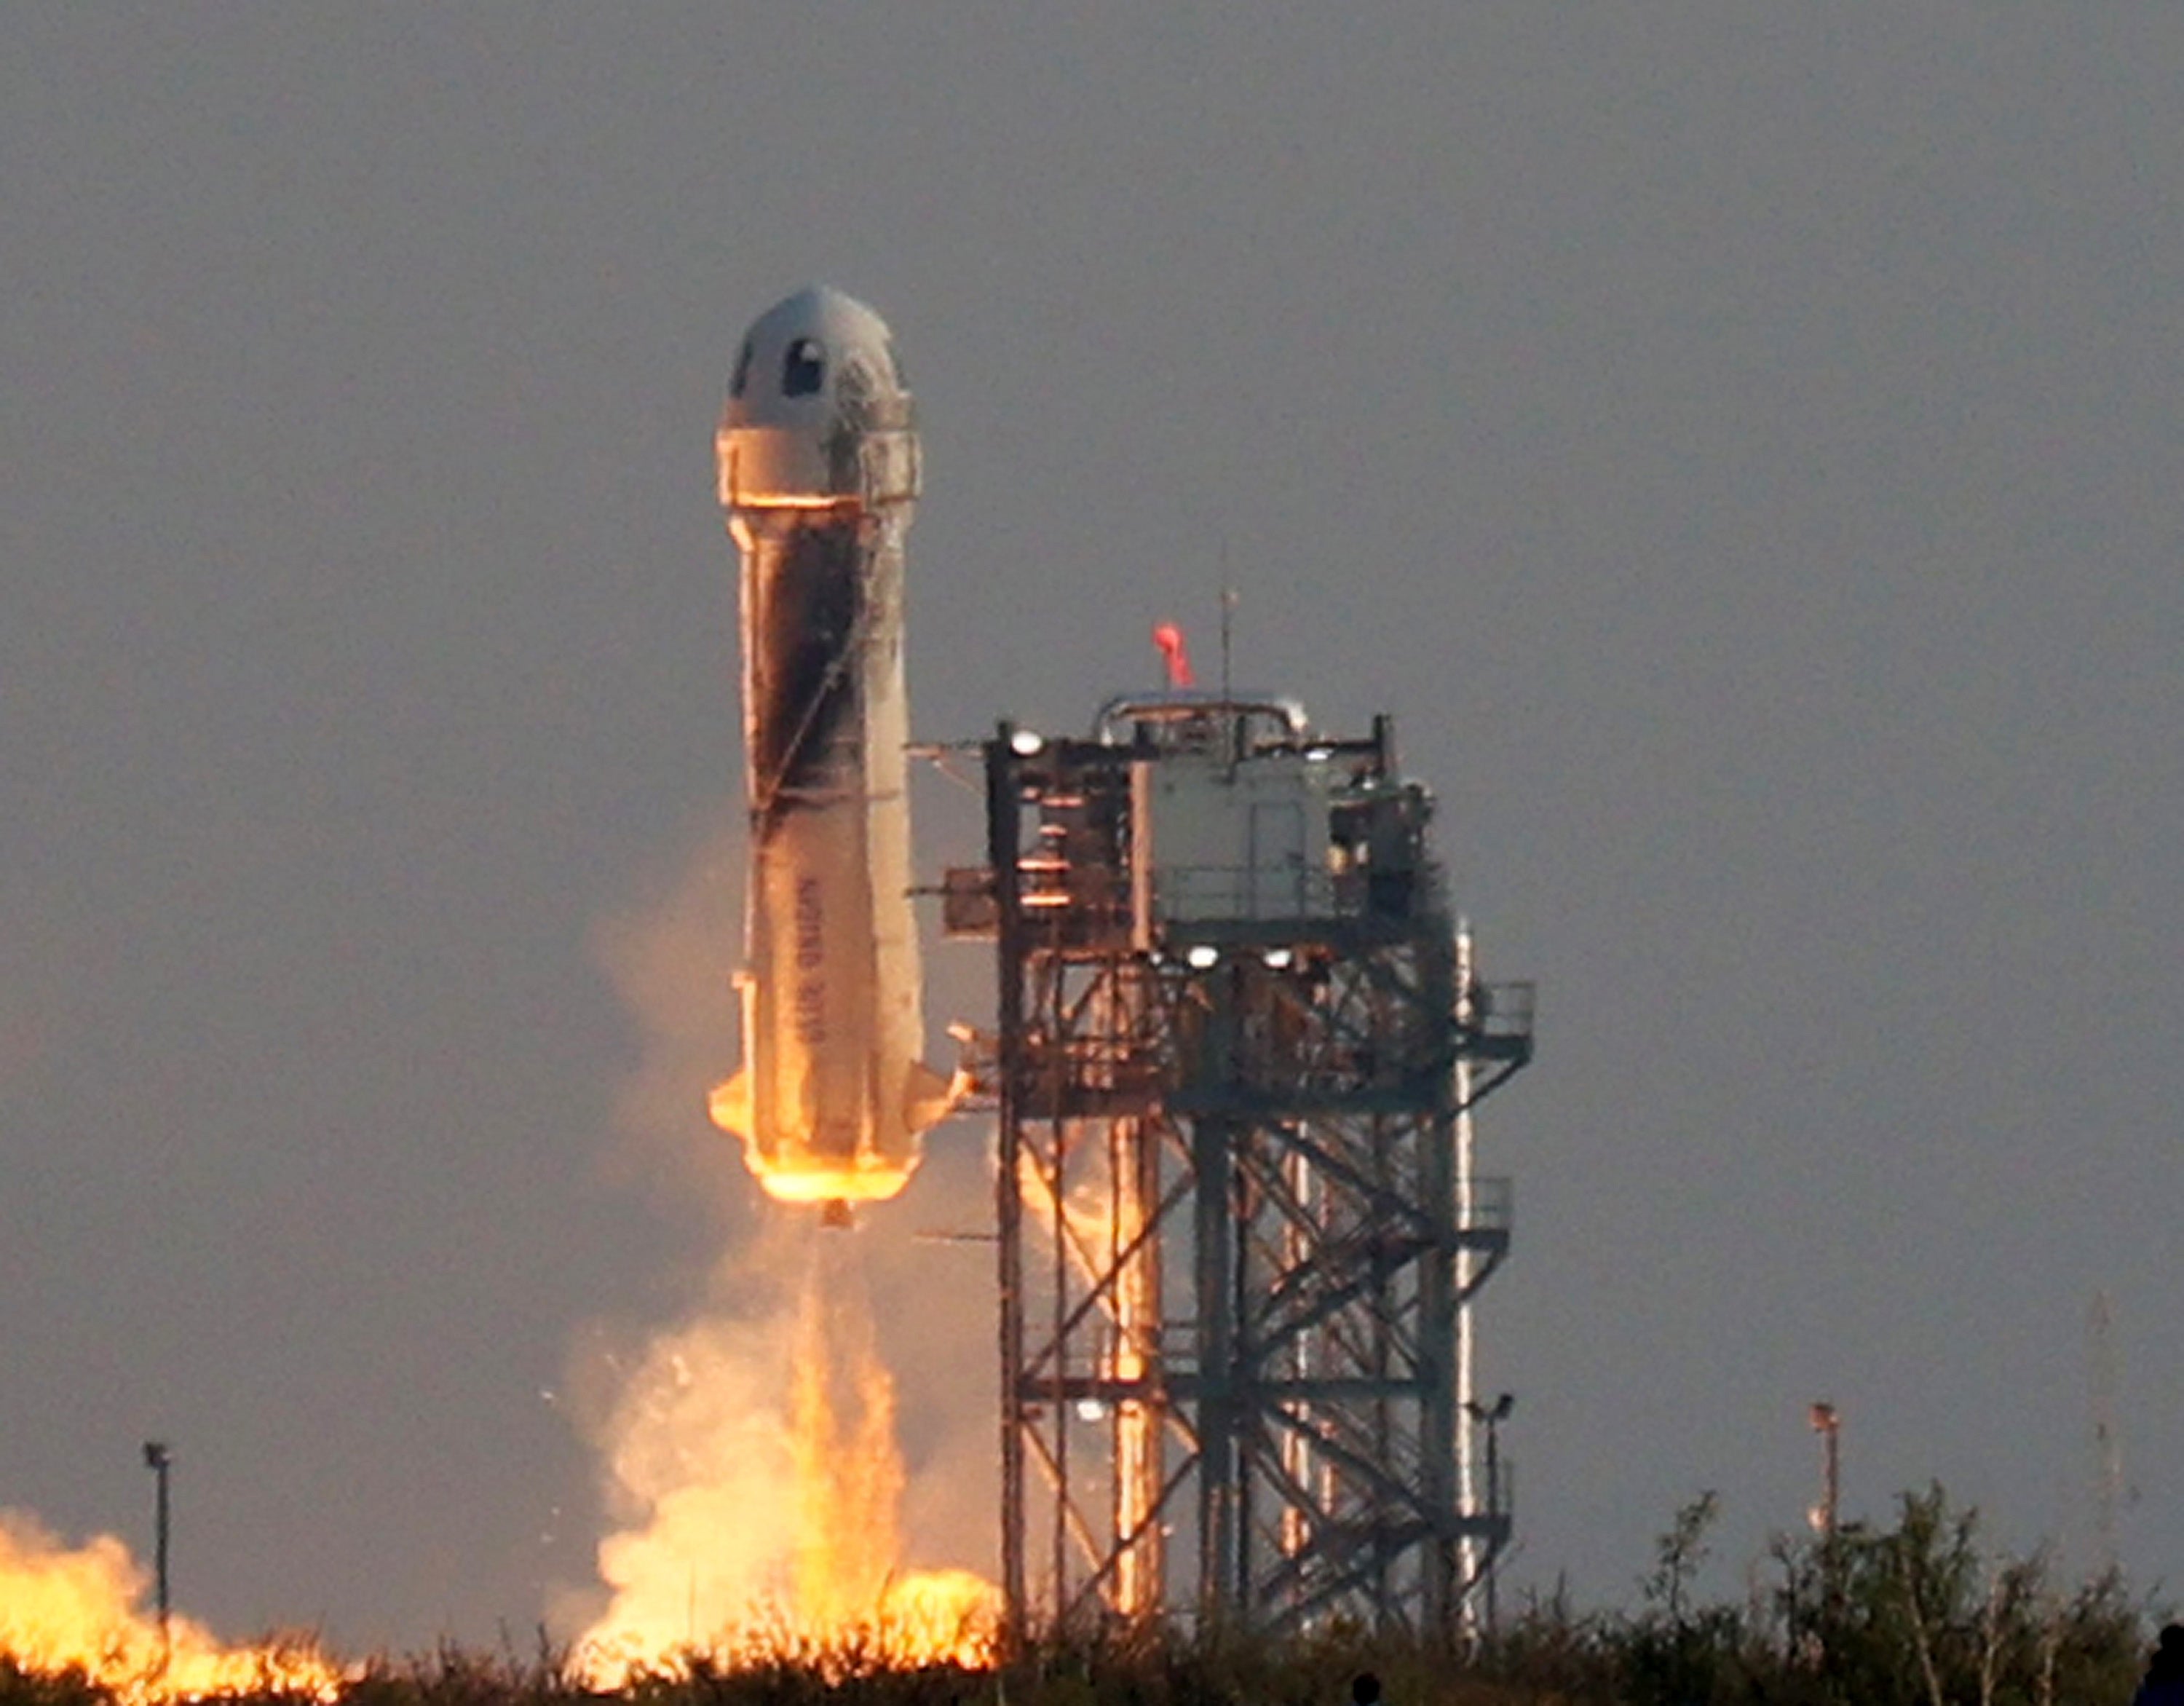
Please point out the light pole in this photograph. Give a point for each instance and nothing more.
(1829, 1426)
(1491, 1416)
(159, 1459)
(1827, 1513)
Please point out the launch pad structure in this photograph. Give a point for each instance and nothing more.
(1239, 1041)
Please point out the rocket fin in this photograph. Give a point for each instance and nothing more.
(929, 1097)
(730, 1105)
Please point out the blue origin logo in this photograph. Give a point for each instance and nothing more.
(810, 963)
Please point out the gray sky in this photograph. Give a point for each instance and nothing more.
(1740, 444)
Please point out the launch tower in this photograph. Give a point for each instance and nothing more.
(1240, 1041)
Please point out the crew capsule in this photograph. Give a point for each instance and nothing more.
(818, 413)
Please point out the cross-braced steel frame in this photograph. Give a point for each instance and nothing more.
(1237, 1230)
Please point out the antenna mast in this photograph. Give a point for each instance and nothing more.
(2108, 1447)
(1231, 721)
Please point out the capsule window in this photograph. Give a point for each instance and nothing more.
(743, 370)
(804, 369)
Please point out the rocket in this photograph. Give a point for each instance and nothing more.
(819, 476)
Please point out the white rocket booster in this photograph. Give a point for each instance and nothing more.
(819, 475)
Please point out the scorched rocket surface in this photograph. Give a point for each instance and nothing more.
(819, 476)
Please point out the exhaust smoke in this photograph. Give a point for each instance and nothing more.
(752, 1463)
(757, 1464)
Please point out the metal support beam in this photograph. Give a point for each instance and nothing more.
(1239, 1231)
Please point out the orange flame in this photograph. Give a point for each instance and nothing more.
(65, 1608)
(770, 1529)
(850, 1484)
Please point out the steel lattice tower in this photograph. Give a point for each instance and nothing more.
(1237, 1041)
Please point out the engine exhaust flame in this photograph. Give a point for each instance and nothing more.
(761, 1466)
(81, 1608)
(755, 1482)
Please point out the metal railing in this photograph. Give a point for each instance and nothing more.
(1488, 1206)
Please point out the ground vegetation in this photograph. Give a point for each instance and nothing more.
(1915, 1612)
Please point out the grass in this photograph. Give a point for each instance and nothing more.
(1917, 1614)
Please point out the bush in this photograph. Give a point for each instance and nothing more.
(1917, 1614)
